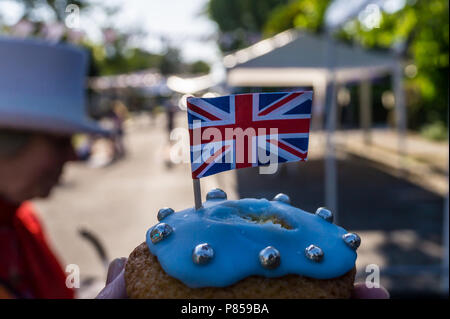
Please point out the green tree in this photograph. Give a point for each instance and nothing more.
(304, 14)
(250, 15)
(199, 67)
(422, 28)
(241, 21)
(171, 62)
(130, 60)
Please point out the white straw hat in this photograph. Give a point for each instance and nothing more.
(42, 87)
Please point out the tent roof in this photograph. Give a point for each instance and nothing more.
(295, 49)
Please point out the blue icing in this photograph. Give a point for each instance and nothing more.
(237, 241)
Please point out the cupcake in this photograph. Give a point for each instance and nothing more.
(247, 248)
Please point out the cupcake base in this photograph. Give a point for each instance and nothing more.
(146, 279)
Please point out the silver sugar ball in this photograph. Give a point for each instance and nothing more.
(269, 258)
(160, 232)
(202, 254)
(352, 240)
(282, 198)
(324, 213)
(216, 193)
(314, 253)
(164, 212)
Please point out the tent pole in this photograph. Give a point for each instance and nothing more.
(365, 114)
(330, 156)
(445, 237)
(318, 106)
(400, 111)
(445, 247)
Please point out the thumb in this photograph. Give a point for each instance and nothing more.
(114, 269)
(115, 289)
(361, 291)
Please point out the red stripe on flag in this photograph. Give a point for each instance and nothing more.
(209, 161)
(283, 127)
(243, 109)
(280, 103)
(198, 110)
(288, 148)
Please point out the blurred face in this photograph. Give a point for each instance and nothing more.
(36, 169)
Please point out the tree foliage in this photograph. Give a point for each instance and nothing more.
(422, 29)
(115, 53)
(250, 15)
(241, 21)
(131, 59)
(199, 67)
(304, 14)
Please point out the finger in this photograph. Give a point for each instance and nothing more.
(114, 269)
(361, 291)
(116, 289)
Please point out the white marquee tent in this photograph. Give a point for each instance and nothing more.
(293, 58)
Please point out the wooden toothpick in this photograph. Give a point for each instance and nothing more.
(197, 193)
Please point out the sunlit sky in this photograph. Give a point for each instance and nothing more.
(182, 21)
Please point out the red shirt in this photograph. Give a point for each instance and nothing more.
(28, 268)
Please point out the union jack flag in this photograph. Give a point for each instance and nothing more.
(256, 121)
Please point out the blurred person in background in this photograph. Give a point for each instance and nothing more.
(170, 108)
(41, 107)
(119, 114)
(30, 166)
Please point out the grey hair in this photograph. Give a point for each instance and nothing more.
(11, 142)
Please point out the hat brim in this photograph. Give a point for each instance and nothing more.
(28, 122)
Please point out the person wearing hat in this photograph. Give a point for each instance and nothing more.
(42, 88)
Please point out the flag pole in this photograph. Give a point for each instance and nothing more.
(197, 193)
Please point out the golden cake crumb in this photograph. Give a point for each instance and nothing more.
(145, 278)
